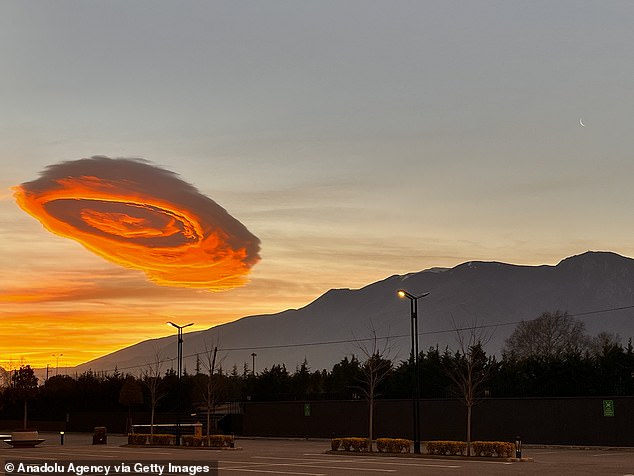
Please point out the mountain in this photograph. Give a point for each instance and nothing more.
(481, 292)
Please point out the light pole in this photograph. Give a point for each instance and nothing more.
(57, 357)
(254, 355)
(179, 357)
(416, 394)
(179, 364)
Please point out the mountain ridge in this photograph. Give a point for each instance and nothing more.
(483, 291)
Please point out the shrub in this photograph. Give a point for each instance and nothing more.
(505, 449)
(218, 441)
(500, 449)
(137, 439)
(352, 444)
(360, 444)
(162, 439)
(393, 445)
(191, 440)
(442, 447)
(214, 441)
(382, 444)
(147, 439)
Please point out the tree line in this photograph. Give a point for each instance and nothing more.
(551, 356)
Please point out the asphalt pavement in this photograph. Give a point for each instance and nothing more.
(307, 458)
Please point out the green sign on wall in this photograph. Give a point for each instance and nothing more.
(608, 407)
(306, 409)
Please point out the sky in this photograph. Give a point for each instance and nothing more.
(356, 139)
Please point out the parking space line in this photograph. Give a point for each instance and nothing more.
(419, 465)
(447, 462)
(250, 468)
(376, 461)
(309, 463)
(271, 471)
(612, 453)
(313, 464)
(343, 468)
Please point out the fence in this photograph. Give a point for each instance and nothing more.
(579, 421)
(582, 421)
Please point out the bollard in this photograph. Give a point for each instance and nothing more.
(518, 447)
(61, 438)
(100, 436)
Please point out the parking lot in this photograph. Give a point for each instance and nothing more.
(308, 458)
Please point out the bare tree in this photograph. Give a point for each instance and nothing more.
(604, 343)
(210, 362)
(376, 366)
(551, 335)
(469, 369)
(151, 377)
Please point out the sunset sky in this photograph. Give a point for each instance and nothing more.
(355, 139)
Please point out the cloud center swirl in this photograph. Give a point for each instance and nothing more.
(141, 216)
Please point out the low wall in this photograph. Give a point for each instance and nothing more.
(574, 421)
(545, 420)
(86, 421)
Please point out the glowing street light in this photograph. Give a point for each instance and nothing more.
(180, 371)
(416, 395)
(180, 345)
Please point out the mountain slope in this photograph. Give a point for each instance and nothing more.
(482, 292)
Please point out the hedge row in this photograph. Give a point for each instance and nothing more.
(445, 447)
(500, 449)
(350, 444)
(214, 441)
(393, 445)
(384, 445)
(148, 439)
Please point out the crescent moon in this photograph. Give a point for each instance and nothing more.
(581, 122)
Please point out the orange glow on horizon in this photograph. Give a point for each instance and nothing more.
(80, 336)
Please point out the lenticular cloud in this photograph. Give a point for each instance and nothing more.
(137, 215)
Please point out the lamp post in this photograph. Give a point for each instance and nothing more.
(179, 357)
(416, 394)
(253, 355)
(57, 357)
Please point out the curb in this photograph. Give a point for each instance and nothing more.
(206, 448)
(427, 456)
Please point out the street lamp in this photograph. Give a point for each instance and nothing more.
(254, 355)
(180, 371)
(57, 357)
(180, 346)
(416, 395)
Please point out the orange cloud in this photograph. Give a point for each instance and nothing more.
(143, 217)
